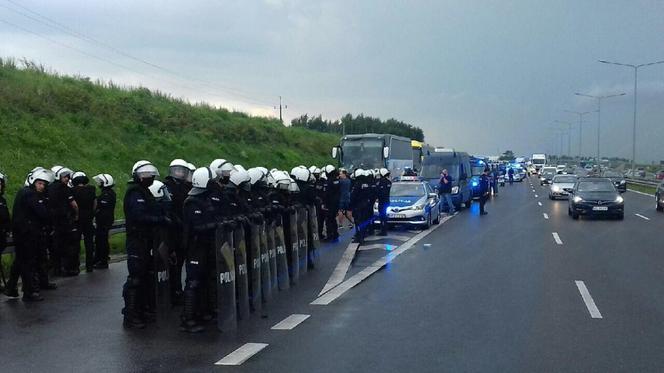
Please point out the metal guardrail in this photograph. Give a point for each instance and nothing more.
(117, 227)
(643, 182)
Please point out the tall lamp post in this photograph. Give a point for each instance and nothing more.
(636, 73)
(580, 114)
(569, 136)
(599, 114)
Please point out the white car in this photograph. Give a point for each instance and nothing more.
(561, 168)
(561, 185)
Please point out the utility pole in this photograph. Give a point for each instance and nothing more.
(599, 114)
(281, 107)
(580, 114)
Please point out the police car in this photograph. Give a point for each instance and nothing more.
(412, 202)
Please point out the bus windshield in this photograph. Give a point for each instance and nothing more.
(364, 153)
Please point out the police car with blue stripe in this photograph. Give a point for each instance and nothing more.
(412, 202)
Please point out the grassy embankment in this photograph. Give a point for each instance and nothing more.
(47, 119)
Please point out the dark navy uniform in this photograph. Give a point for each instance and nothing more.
(104, 217)
(174, 237)
(64, 256)
(484, 191)
(85, 198)
(360, 195)
(321, 196)
(384, 186)
(332, 204)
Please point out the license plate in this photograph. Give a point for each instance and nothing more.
(396, 216)
(600, 208)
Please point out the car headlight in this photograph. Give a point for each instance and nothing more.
(555, 188)
(577, 199)
(622, 182)
(455, 189)
(542, 178)
(619, 199)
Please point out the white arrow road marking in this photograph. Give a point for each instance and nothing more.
(242, 354)
(340, 270)
(642, 217)
(290, 322)
(384, 246)
(588, 300)
(556, 237)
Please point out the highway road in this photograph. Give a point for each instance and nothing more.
(525, 288)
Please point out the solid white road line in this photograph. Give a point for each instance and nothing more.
(342, 288)
(546, 216)
(539, 203)
(290, 322)
(340, 270)
(556, 237)
(242, 354)
(588, 300)
(637, 192)
(384, 246)
(398, 237)
(642, 217)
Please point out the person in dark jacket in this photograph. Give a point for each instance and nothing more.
(104, 218)
(445, 190)
(321, 197)
(384, 188)
(484, 190)
(142, 216)
(86, 199)
(332, 203)
(360, 195)
(64, 214)
(31, 219)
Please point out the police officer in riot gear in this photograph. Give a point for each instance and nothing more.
(64, 214)
(104, 217)
(178, 181)
(360, 196)
(384, 186)
(31, 219)
(142, 215)
(320, 187)
(86, 199)
(5, 220)
(200, 222)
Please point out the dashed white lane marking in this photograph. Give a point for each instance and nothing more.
(588, 300)
(546, 216)
(637, 192)
(642, 217)
(242, 354)
(536, 196)
(556, 237)
(342, 288)
(340, 270)
(290, 322)
(398, 237)
(539, 203)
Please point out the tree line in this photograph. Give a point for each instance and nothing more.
(348, 124)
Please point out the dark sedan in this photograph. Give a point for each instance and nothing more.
(659, 197)
(617, 179)
(595, 197)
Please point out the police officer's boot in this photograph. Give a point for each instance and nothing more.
(189, 323)
(383, 228)
(131, 312)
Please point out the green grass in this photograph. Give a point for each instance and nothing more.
(642, 188)
(47, 119)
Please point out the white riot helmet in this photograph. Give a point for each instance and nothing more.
(301, 174)
(104, 180)
(179, 169)
(293, 187)
(279, 180)
(357, 173)
(222, 168)
(384, 172)
(314, 170)
(200, 179)
(144, 169)
(256, 174)
(3, 177)
(27, 177)
(191, 168)
(239, 176)
(41, 174)
(329, 168)
(61, 172)
(159, 191)
(323, 176)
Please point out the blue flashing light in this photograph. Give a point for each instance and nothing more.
(475, 183)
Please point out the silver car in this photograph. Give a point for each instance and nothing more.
(561, 185)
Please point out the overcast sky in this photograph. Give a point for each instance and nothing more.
(482, 76)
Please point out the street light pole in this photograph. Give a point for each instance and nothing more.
(569, 136)
(580, 114)
(599, 114)
(636, 74)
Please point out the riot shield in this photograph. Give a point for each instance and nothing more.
(266, 279)
(163, 284)
(303, 236)
(314, 239)
(241, 273)
(292, 245)
(254, 260)
(225, 258)
(272, 253)
(283, 280)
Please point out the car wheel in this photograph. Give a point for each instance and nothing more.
(428, 224)
(621, 216)
(575, 216)
(658, 207)
(437, 221)
(551, 197)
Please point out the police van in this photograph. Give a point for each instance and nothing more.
(457, 165)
